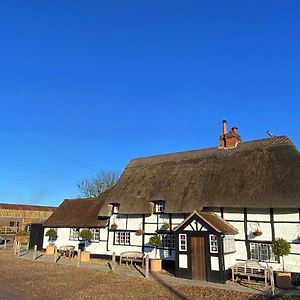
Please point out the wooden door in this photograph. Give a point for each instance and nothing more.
(198, 258)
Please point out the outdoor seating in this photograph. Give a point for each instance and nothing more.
(67, 251)
(250, 269)
(132, 257)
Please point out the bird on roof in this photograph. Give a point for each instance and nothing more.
(270, 134)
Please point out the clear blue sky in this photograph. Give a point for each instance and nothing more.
(89, 85)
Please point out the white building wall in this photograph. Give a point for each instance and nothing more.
(229, 260)
(286, 225)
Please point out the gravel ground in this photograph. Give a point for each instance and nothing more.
(23, 279)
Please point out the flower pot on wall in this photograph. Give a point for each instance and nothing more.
(85, 256)
(155, 265)
(283, 280)
(50, 249)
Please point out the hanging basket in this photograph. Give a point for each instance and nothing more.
(139, 232)
(257, 233)
(113, 226)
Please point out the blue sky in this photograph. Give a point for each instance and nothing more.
(89, 85)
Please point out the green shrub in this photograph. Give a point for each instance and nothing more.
(52, 234)
(281, 247)
(155, 241)
(86, 235)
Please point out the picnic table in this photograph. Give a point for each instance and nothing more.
(67, 251)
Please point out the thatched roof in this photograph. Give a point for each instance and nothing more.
(213, 220)
(78, 213)
(260, 174)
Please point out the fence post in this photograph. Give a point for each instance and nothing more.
(113, 257)
(55, 254)
(19, 249)
(78, 258)
(34, 252)
(272, 281)
(15, 247)
(5, 231)
(147, 266)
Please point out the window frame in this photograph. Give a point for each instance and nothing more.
(122, 238)
(72, 236)
(160, 207)
(263, 252)
(95, 232)
(213, 243)
(168, 241)
(182, 241)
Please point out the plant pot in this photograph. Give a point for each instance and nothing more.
(155, 265)
(24, 239)
(50, 249)
(85, 256)
(283, 280)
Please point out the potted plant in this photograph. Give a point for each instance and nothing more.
(281, 247)
(155, 265)
(52, 235)
(22, 237)
(86, 235)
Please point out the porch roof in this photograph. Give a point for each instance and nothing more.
(216, 222)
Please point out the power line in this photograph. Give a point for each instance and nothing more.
(37, 143)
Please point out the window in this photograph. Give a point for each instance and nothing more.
(229, 244)
(96, 234)
(12, 224)
(182, 242)
(213, 243)
(122, 238)
(168, 241)
(159, 206)
(262, 252)
(74, 234)
(115, 208)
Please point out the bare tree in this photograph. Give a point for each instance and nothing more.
(94, 186)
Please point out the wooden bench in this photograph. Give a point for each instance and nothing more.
(250, 269)
(132, 257)
(67, 251)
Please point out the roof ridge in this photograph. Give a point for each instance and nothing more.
(242, 146)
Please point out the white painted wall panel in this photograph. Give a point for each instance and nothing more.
(229, 260)
(240, 227)
(150, 228)
(241, 251)
(214, 261)
(183, 261)
(151, 219)
(286, 231)
(134, 223)
(286, 215)
(256, 215)
(233, 214)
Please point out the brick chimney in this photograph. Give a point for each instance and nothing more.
(229, 139)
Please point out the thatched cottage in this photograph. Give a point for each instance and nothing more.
(212, 207)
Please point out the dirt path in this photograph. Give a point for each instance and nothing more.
(22, 279)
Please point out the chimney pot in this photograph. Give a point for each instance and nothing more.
(234, 129)
(224, 126)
